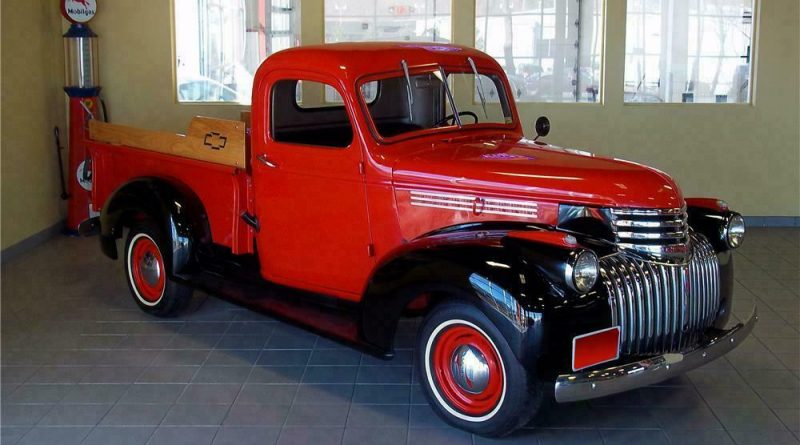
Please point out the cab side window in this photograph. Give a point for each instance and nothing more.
(300, 114)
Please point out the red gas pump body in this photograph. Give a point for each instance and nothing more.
(81, 110)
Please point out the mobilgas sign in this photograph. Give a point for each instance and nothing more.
(78, 11)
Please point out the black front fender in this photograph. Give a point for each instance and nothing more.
(499, 277)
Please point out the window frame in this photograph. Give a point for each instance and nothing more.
(424, 69)
(602, 37)
(305, 77)
(751, 100)
(174, 55)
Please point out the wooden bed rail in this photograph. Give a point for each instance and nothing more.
(212, 140)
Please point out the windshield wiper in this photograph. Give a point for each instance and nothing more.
(408, 91)
(480, 85)
(449, 93)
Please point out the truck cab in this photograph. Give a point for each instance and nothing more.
(377, 181)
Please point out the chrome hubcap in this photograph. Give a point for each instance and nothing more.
(470, 370)
(150, 268)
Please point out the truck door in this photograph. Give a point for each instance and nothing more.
(309, 191)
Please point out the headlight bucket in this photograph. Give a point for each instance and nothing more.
(733, 230)
(582, 270)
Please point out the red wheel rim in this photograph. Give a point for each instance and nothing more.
(472, 403)
(147, 269)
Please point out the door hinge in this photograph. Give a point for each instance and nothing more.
(371, 250)
(361, 169)
(250, 220)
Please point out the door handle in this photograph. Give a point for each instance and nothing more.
(266, 161)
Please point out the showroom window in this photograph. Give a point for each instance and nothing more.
(219, 45)
(382, 20)
(371, 20)
(551, 50)
(688, 51)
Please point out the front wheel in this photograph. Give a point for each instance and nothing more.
(470, 375)
(146, 273)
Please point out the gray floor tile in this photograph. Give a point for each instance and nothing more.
(49, 393)
(197, 435)
(310, 436)
(168, 374)
(699, 437)
(321, 393)
(136, 414)
(257, 415)
(284, 358)
(382, 394)
(439, 436)
(630, 436)
(61, 435)
(75, 415)
(232, 357)
(259, 393)
(330, 374)
(210, 393)
(58, 374)
(384, 374)
(341, 357)
(152, 393)
(222, 374)
(790, 418)
(317, 415)
(21, 415)
(771, 437)
(197, 415)
(748, 418)
(378, 415)
(245, 435)
(278, 374)
(698, 417)
(376, 436)
(88, 393)
(119, 435)
(10, 435)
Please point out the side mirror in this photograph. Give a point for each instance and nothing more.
(542, 127)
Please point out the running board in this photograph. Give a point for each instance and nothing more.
(320, 314)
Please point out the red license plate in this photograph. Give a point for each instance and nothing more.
(595, 348)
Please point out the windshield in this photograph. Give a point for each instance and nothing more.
(408, 103)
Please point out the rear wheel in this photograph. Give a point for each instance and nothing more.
(470, 375)
(146, 273)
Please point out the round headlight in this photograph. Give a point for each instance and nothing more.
(734, 231)
(582, 271)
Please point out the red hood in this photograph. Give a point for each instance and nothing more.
(522, 168)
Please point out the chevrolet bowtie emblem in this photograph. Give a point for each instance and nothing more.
(215, 141)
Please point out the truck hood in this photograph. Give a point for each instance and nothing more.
(526, 169)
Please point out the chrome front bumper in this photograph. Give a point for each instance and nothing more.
(603, 382)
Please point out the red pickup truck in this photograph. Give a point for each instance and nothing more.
(377, 181)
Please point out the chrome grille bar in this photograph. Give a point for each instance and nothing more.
(660, 233)
(662, 307)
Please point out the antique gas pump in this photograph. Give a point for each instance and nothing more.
(82, 87)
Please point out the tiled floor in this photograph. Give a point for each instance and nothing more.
(81, 364)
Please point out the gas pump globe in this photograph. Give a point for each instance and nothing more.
(80, 55)
(81, 83)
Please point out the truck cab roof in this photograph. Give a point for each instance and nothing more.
(352, 60)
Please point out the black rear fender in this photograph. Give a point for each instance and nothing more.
(172, 206)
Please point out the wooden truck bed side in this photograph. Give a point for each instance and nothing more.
(220, 180)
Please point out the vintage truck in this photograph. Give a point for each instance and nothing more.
(377, 181)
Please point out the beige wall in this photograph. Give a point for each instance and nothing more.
(746, 154)
(32, 103)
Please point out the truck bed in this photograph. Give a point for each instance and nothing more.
(220, 180)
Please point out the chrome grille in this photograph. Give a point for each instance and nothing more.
(662, 307)
(660, 233)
